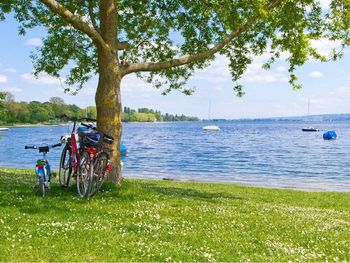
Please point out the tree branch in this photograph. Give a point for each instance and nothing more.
(137, 67)
(75, 21)
(91, 15)
(124, 45)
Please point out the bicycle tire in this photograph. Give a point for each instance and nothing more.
(42, 185)
(90, 179)
(65, 169)
(83, 175)
(100, 172)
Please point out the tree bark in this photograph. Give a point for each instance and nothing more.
(108, 98)
(108, 104)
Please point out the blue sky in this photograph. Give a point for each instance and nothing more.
(268, 93)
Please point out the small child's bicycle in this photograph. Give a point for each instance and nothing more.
(42, 167)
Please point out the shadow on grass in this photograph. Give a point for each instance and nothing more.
(19, 193)
(191, 193)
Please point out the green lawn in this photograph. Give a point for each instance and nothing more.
(148, 220)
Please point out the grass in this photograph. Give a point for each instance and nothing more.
(145, 220)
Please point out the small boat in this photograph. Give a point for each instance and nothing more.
(330, 135)
(4, 129)
(310, 129)
(211, 128)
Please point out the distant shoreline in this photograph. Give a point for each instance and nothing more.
(27, 125)
(31, 125)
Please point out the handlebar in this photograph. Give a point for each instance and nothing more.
(32, 146)
(106, 138)
(89, 126)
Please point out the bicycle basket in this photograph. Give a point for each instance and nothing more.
(83, 131)
(91, 139)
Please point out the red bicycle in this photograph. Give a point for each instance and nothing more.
(84, 157)
(95, 163)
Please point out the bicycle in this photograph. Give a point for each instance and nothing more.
(81, 159)
(70, 158)
(43, 168)
(95, 162)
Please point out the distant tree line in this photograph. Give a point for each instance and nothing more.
(39, 112)
(12, 112)
(149, 115)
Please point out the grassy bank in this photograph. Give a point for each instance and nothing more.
(147, 220)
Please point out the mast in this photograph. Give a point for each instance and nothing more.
(209, 111)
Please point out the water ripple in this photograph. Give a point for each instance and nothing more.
(269, 154)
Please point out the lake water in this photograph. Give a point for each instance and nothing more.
(269, 154)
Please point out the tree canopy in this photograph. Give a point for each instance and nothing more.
(159, 37)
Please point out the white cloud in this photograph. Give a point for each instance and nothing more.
(218, 88)
(255, 74)
(12, 89)
(43, 79)
(281, 69)
(10, 70)
(36, 42)
(325, 46)
(315, 74)
(325, 4)
(217, 72)
(343, 91)
(3, 78)
(89, 91)
(131, 84)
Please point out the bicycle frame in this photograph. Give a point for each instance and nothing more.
(75, 153)
(43, 168)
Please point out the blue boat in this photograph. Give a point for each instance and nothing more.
(123, 150)
(330, 135)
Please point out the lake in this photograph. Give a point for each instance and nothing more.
(273, 154)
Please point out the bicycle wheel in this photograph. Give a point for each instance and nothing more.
(65, 169)
(100, 172)
(83, 175)
(42, 183)
(90, 179)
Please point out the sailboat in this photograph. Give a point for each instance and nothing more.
(210, 127)
(309, 129)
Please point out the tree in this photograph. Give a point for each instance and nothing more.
(2, 106)
(91, 112)
(165, 41)
(56, 100)
(59, 107)
(6, 100)
(38, 112)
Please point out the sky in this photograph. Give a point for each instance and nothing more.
(268, 93)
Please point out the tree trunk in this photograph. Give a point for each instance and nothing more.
(108, 105)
